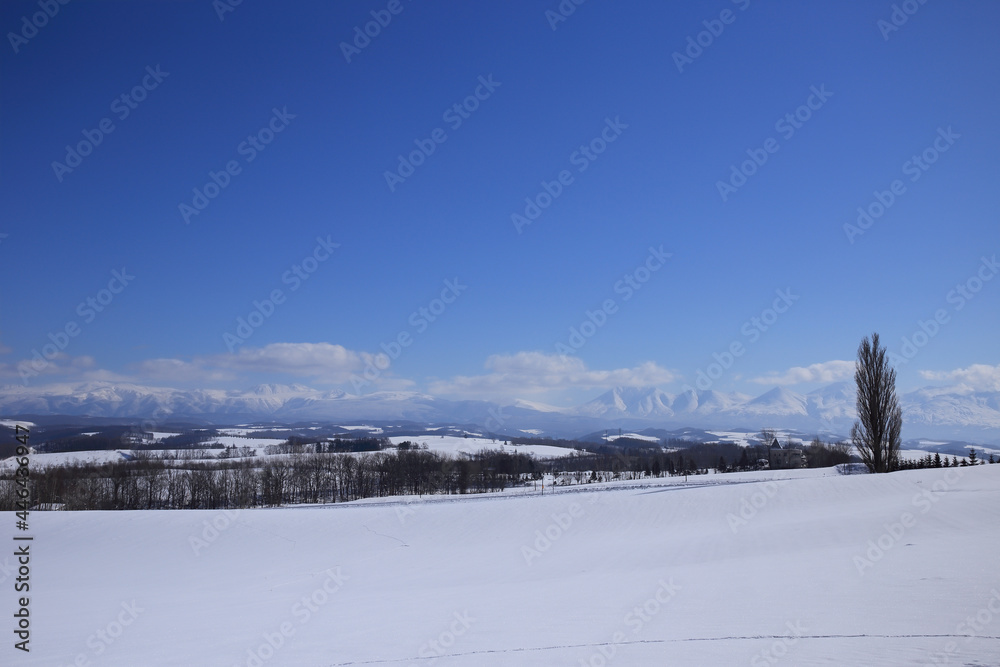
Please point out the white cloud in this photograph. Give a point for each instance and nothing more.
(534, 363)
(828, 371)
(507, 375)
(61, 365)
(324, 362)
(334, 363)
(178, 370)
(980, 377)
(537, 372)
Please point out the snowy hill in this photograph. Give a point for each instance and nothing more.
(803, 568)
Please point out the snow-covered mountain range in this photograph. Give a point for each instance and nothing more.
(951, 412)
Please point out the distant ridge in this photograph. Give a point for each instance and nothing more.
(953, 412)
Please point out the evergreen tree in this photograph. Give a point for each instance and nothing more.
(937, 459)
(972, 456)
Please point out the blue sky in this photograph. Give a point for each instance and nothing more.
(642, 139)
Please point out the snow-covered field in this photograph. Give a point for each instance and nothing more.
(633, 436)
(742, 438)
(65, 458)
(248, 431)
(373, 430)
(749, 438)
(12, 423)
(449, 445)
(453, 445)
(160, 436)
(802, 567)
(258, 444)
(45, 460)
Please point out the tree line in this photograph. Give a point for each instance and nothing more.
(152, 482)
(937, 461)
(298, 472)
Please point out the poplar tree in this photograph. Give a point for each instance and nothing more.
(876, 434)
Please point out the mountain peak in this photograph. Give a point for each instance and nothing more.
(629, 401)
(275, 389)
(778, 401)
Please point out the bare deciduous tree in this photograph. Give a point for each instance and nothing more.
(876, 434)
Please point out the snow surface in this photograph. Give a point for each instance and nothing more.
(242, 441)
(244, 431)
(63, 458)
(747, 439)
(741, 438)
(377, 583)
(361, 427)
(454, 445)
(634, 436)
(12, 423)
